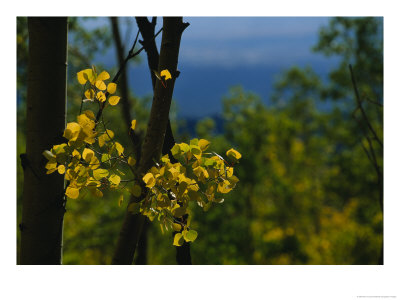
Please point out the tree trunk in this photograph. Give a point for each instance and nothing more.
(43, 196)
(154, 139)
(147, 31)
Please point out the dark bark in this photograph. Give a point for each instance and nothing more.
(154, 139)
(43, 204)
(147, 30)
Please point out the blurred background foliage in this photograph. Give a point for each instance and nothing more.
(309, 190)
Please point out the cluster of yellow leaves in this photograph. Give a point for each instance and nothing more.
(97, 88)
(77, 158)
(198, 176)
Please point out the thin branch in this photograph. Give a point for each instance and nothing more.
(359, 102)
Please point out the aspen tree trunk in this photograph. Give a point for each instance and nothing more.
(147, 30)
(43, 195)
(154, 139)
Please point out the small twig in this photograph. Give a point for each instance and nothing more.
(361, 107)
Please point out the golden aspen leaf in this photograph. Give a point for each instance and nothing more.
(72, 192)
(120, 199)
(176, 150)
(113, 100)
(111, 87)
(100, 173)
(72, 131)
(103, 76)
(203, 144)
(232, 153)
(87, 154)
(89, 114)
(115, 179)
(101, 96)
(149, 180)
(133, 124)
(52, 164)
(131, 161)
(100, 85)
(61, 169)
(166, 74)
(85, 75)
(89, 94)
(94, 163)
(178, 240)
(119, 148)
(176, 227)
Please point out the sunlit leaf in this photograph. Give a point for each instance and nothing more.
(131, 161)
(61, 169)
(100, 173)
(149, 180)
(178, 239)
(85, 75)
(103, 76)
(115, 179)
(133, 124)
(101, 96)
(72, 192)
(113, 100)
(166, 74)
(203, 144)
(111, 87)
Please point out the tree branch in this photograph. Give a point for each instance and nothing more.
(154, 139)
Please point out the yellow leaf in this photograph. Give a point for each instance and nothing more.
(119, 148)
(178, 239)
(131, 161)
(94, 163)
(61, 169)
(85, 75)
(149, 180)
(166, 74)
(100, 173)
(101, 96)
(113, 100)
(111, 87)
(103, 76)
(176, 227)
(115, 179)
(72, 131)
(89, 114)
(89, 94)
(100, 85)
(72, 192)
(87, 154)
(203, 144)
(233, 153)
(133, 125)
